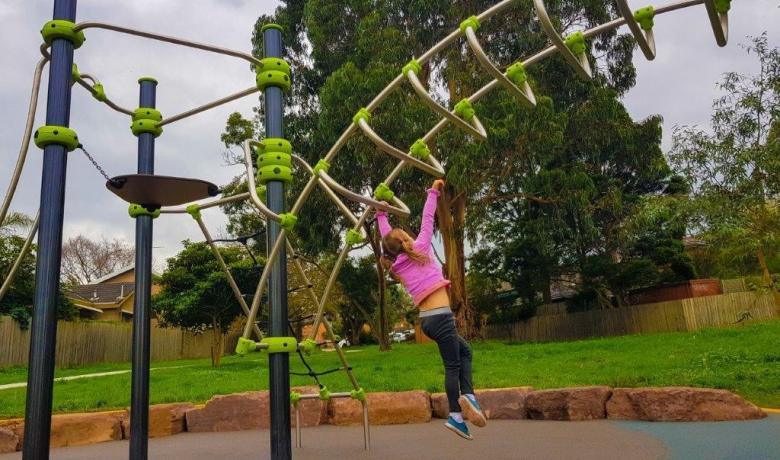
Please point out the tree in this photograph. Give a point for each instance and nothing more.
(344, 52)
(18, 301)
(734, 167)
(196, 295)
(85, 260)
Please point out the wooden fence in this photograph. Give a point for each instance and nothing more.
(675, 315)
(89, 342)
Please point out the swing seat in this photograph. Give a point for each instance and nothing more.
(158, 191)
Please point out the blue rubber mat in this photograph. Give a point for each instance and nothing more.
(751, 440)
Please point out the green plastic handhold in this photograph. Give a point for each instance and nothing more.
(359, 394)
(383, 193)
(99, 92)
(193, 210)
(271, 25)
(420, 150)
(51, 134)
(279, 79)
(321, 165)
(60, 28)
(269, 173)
(288, 220)
(145, 120)
(465, 110)
(644, 16)
(472, 22)
(362, 114)
(273, 144)
(324, 393)
(278, 64)
(295, 398)
(354, 237)
(244, 346)
(412, 65)
(307, 347)
(280, 344)
(576, 43)
(74, 72)
(274, 159)
(517, 74)
(137, 210)
(149, 79)
(722, 6)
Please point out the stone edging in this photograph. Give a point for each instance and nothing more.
(245, 411)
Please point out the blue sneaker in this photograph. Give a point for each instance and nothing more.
(472, 410)
(458, 428)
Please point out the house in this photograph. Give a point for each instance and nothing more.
(109, 298)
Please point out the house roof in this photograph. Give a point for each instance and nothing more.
(115, 273)
(103, 293)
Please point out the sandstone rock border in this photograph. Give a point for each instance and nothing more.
(245, 411)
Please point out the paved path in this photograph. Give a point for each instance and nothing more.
(535, 440)
(9, 386)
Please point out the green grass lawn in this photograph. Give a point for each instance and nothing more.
(742, 359)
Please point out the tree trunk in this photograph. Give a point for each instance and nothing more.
(452, 216)
(766, 275)
(217, 345)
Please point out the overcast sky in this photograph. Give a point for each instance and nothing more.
(679, 84)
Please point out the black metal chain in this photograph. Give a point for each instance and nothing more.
(94, 163)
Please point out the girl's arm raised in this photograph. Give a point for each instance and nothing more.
(423, 240)
(384, 225)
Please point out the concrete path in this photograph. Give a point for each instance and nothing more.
(597, 440)
(9, 386)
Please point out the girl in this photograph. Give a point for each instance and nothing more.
(411, 261)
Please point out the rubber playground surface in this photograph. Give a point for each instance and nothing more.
(597, 440)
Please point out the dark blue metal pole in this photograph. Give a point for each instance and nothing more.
(279, 363)
(139, 398)
(43, 333)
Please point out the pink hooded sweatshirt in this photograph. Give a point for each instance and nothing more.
(421, 280)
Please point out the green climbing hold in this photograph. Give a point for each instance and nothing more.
(517, 74)
(576, 43)
(273, 144)
(244, 346)
(722, 6)
(321, 165)
(60, 28)
(274, 160)
(269, 173)
(420, 150)
(149, 79)
(273, 72)
(464, 109)
(279, 344)
(74, 72)
(354, 237)
(260, 190)
(324, 393)
(295, 398)
(51, 134)
(288, 220)
(145, 120)
(383, 193)
(193, 210)
(307, 347)
(644, 16)
(359, 394)
(472, 22)
(98, 92)
(137, 210)
(271, 25)
(362, 114)
(412, 65)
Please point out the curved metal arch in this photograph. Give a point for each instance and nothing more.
(719, 23)
(434, 168)
(524, 94)
(474, 128)
(250, 178)
(580, 64)
(400, 209)
(644, 38)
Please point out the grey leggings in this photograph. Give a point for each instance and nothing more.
(456, 354)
